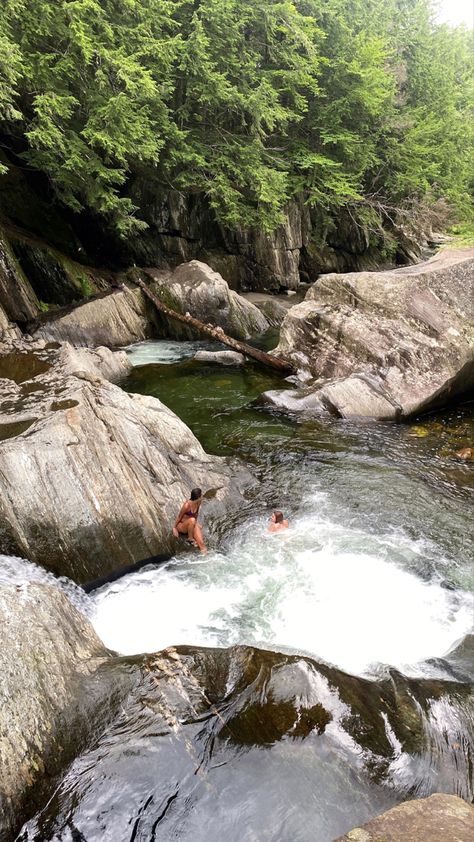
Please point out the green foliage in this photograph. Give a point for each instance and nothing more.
(86, 287)
(93, 93)
(248, 102)
(463, 234)
(429, 142)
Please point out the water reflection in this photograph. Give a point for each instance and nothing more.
(243, 744)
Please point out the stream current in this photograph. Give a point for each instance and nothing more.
(375, 572)
(377, 566)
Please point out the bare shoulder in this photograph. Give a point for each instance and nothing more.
(278, 527)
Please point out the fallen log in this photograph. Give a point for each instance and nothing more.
(217, 333)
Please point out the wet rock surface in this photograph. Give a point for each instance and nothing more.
(440, 818)
(55, 694)
(384, 345)
(240, 743)
(95, 479)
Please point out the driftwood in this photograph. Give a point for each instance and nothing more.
(217, 333)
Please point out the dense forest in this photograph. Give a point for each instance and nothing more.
(355, 103)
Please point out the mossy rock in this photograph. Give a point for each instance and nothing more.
(54, 277)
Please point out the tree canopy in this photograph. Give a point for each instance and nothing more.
(248, 101)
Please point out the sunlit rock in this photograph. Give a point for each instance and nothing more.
(8, 330)
(466, 453)
(386, 344)
(222, 357)
(195, 288)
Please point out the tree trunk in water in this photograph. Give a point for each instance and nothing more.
(217, 333)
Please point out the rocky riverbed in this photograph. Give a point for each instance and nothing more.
(91, 478)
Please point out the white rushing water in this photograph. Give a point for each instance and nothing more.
(167, 351)
(322, 588)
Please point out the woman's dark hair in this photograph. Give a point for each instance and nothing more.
(196, 493)
(278, 516)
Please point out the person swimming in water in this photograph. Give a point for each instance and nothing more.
(187, 521)
(277, 522)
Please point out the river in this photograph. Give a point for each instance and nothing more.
(375, 571)
(377, 566)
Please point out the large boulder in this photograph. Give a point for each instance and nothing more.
(55, 694)
(91, 478)
(196, 289)
(439, 818)
(383, 344)
(115, 319)
(126, 316)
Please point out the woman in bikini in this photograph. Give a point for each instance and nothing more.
(186, 522)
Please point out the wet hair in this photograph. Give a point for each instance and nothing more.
(278, 516)
(196, 493)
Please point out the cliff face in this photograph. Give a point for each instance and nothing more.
(34, 276)
(56, 250)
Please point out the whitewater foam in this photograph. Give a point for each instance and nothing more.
(338, 594)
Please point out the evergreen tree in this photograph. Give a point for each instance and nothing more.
(251, 103)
